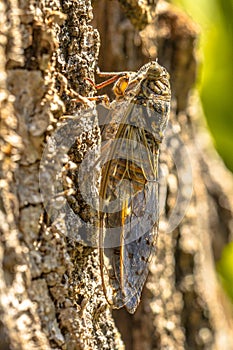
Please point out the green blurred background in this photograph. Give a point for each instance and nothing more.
(215, 18)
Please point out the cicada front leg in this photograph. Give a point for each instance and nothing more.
(86, 100)
(120, 80)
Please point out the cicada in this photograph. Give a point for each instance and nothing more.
(129, 188)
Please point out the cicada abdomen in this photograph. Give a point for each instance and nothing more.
(129, 201)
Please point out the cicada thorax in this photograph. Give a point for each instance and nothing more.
(129, 183)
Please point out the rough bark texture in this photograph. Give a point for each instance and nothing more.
(50, 288)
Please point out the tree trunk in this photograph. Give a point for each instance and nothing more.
(51, 294)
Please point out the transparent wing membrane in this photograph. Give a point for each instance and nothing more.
(129, 185)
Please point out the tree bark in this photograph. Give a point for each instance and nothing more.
(51, 294)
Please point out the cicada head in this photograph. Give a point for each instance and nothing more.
(155, 71)
(156, 94)
(156, 81)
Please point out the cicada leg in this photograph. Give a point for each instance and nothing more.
(101, 98)
(120, 80)
(110, 74)
(104, 83)
(86, 100)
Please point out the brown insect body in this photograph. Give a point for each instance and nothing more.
(129, 185)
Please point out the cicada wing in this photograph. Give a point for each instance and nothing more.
(137, 254)
(129, 218)
(125, 267)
